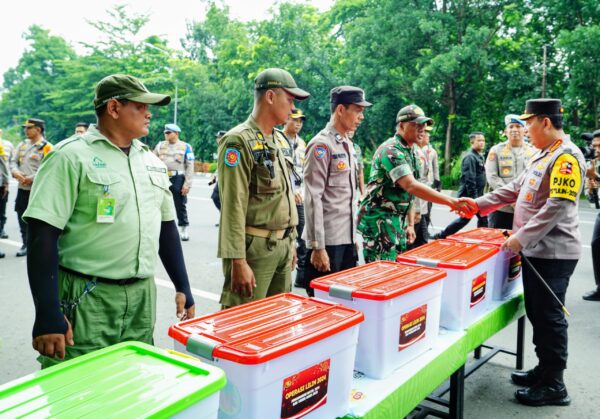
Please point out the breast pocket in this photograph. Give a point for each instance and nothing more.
(105, 184)
(263, 182)
(160, 186)
(339, 179)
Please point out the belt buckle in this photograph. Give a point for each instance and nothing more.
(170, 173)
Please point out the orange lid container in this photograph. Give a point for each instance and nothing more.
(481, 235)
(262, 330)
(382, 280)
(449, 254)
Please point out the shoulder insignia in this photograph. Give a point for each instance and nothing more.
(232, 157)
(556, 144)
(565, 178)
(320, 151)
(492, 156)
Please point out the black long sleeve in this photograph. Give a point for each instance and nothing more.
(469, 175)
(171, 255)
(42, 269)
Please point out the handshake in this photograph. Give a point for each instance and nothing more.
(464, 207)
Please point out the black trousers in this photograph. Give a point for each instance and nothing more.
(500, 219)
(179, 200)
(215, 197)
(421, 231)
(459, 223)
(341, 257)
(544, 312)
(20, 207)
(596, 250)
(3, 202)
(301, 249)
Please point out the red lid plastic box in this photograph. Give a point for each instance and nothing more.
(470, 269)
(401, 303)
(285, 356)
(507, 276)
(126, 380)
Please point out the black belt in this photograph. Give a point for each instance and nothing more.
(126, 281)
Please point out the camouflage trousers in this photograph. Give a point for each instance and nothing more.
(384, 236)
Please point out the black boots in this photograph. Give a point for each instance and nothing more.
(22, 251)
(592, 295)
(544, 388)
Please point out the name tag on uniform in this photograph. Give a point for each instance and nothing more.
(105, 210)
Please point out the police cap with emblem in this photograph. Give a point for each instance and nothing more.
(297, 114)
(534, 107)
(34, 122)
(172, 128)
(413, 113)
(122, 86)
(513, 119)
(273, 78)
(348, 95)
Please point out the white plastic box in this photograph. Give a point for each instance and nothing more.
(470, 273)
(401, 303)
(285, 356)
(507, 277)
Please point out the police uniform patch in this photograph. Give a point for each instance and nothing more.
(320, 152)
(528, 197)
(492, 156)
(341, 165)
(506, 171)
(565, 178)
(232, 157)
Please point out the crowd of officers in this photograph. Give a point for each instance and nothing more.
(103, 206)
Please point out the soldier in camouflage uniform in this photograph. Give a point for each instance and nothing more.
(392, 184)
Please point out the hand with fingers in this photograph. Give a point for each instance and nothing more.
(181, 312)
(54, 344)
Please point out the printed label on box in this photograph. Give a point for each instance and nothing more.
(305, 391)
(478, 289)
(412, 326)
(514, 268)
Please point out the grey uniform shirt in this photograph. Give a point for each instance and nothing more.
(330, 182)
(504, 164)
(546, 221)
(4, 175)
(177, 157)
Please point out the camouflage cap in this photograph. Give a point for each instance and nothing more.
(413, 113)
(535, 107)
(122, 86)
(34, 122)
(273, 78)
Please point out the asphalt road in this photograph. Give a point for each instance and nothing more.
(488, 392)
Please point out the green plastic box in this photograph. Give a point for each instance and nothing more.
(127, 380)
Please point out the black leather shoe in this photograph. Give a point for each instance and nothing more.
(3, 234)
(22, 251)
(543, 395)
(592, 295)
(526, 378)
(2, 255)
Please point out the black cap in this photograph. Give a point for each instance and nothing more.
(34, 122)
(347, 95)
(535, 107)
(220, 133)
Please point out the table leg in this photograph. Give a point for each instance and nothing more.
(477, 353)
(457, 393)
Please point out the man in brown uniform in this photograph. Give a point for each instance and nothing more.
(24, 166)
(258, 221)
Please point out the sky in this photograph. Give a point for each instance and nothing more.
(67, 18)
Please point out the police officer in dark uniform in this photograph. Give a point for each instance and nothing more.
(472, 182)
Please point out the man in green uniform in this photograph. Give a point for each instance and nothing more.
(383, 213)
(100, 212)
(258, 210)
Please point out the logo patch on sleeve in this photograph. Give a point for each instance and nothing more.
(232, 157)
(320, 152)
(565, 179)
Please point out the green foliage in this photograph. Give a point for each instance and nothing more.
(466, 63)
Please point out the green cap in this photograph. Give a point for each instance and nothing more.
(122, 86)
(413, 113)
(273, 78)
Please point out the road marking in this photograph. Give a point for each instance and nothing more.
(199, 199)
(11, 243)
(196, 292)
